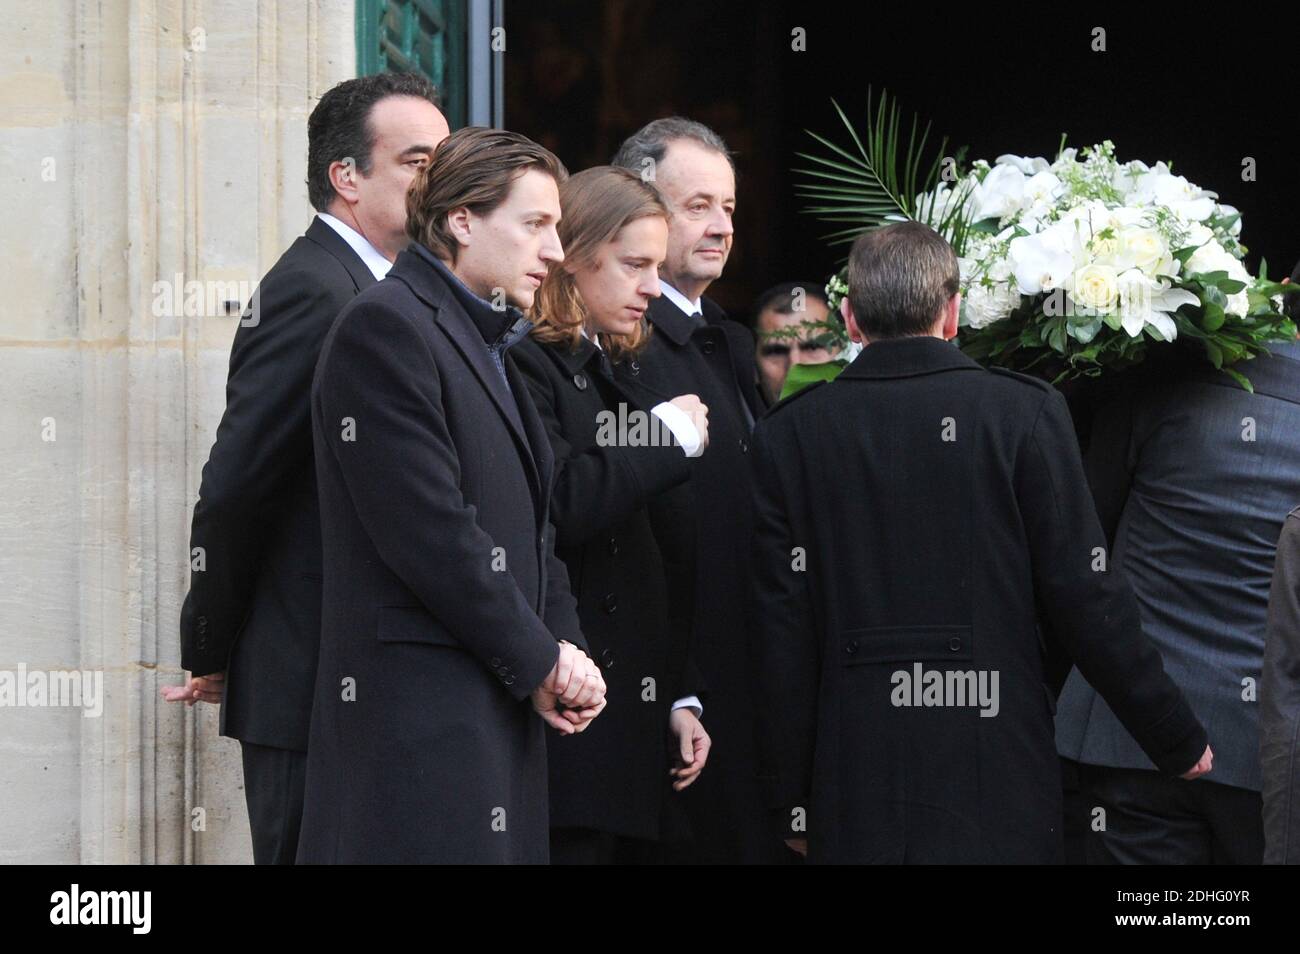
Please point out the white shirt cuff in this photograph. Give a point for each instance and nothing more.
(690, 702)
(679, 422)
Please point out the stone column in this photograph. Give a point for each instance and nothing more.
(144, 140)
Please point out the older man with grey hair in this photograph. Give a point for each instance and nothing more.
(705, 524)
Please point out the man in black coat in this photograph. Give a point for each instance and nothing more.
(919, 521)
(446, 612)
(695, 349)
(251, 620)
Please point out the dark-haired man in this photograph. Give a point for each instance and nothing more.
(450, 637)
(787, 308)
(251, 621)
(917, 520)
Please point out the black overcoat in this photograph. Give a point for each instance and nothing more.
(614, 776)
(708, 524)
(443, 599)
(921, 511)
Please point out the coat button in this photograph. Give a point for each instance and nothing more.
(613, 546)
(580, 380)
(495, 662)
(744, 448)
(954, 644)
(634, 367)
(851, 646)
(611, 603)
(508, 680)
(607, 658)
(708, 347)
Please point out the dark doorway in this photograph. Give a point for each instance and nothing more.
(581, 75)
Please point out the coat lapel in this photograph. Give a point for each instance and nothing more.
(450, 318)
(538, 441)
(460, 330)
(324, 236)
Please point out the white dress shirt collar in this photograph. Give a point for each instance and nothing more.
(368, 254)
(687, 306)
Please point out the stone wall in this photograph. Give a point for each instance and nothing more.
(141, 140)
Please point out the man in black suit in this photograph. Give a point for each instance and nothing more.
(695, 349)
(446, 611)
(251, 621)
(919, 520)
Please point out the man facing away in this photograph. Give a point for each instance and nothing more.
(1193, 477)
(919, 520)
(695, 349)
(450, 638)
(251, 620)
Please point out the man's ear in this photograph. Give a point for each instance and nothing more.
(951, 315)
(343, 177)
(460, 224)
(850, 323)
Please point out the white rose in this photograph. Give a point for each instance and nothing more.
(1096, 286)
(1145, 249)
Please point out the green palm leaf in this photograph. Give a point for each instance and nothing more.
(879, 177)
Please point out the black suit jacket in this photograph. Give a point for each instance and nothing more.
(706, 539)
(923, 511)
(443, 596)
(613, 777)
(254, 609)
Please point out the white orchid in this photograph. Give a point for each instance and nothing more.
(1000, 195)
(1029, 166)
(1041, 262)
(1144, 301)
(1159, 187)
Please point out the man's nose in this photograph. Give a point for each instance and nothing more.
(552, 248)
(720, 224)
(650, 285)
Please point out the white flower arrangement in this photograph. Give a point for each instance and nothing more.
(1070, 267)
